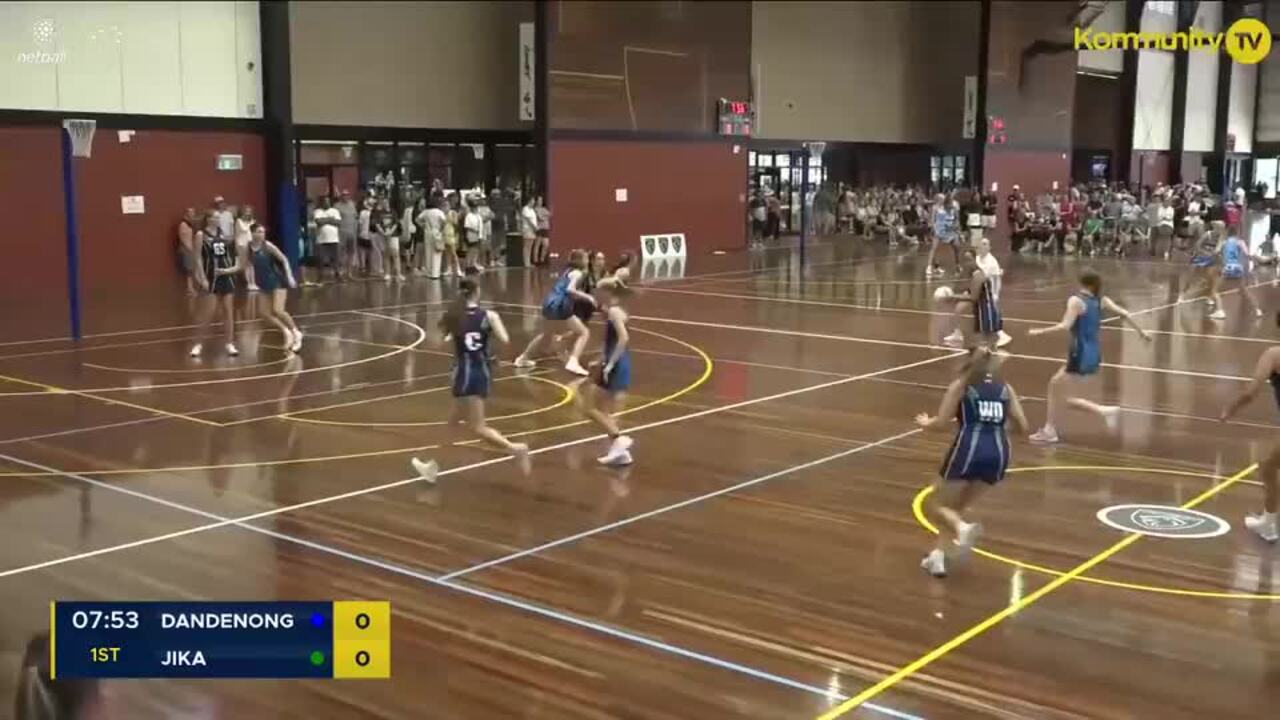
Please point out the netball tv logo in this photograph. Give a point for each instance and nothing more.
(44, 36)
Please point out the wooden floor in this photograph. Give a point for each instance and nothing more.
(760, 559)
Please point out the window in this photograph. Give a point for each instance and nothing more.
(751, 158)
(766, 159)
(1265, 171)
(784, 159)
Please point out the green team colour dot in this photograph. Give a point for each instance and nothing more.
(317, 658)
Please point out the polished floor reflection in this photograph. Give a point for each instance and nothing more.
(760, 559)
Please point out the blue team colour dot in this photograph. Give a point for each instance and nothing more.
(317, 620)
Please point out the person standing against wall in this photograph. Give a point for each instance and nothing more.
(328, 220)
(529, 229)
(243, 234)
(347, 233)
(187, 248)
(432, 220)
(542, 254)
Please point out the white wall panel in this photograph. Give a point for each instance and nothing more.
(1110, 62)
(248, 59)
(1202, 85)
(90, 78)
(150, 87)
(28, 73)
(164, 58)
(1153, 111)
(1244, 80)
(208, 32)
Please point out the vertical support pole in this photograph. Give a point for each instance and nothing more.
(73, 234)
(804, 194)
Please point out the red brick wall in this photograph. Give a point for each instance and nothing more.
(121, 255)
(697, 188)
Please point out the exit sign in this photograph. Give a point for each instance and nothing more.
(230, 162)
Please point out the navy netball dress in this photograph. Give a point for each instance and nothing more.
(981, 448)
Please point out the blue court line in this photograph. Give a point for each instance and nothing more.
(609, 630)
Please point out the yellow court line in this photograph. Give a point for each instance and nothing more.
(917, 509)
(702, 379)
(564, 400)
(55, 390)
(422, 336)
(942, 650)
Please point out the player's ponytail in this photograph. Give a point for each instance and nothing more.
(451, 323)
(979, 364)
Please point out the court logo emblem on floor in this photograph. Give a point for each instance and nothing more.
(1163, 521)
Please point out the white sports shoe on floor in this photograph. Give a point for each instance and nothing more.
(968, 536)
(615, 458)
(1111, 417)
(428, 470)
(1045, 435)
(232, 350)
(935, 563)
(1003, 339)
(1263, 526)
(524, 362)
(1218, 315)
(955, 340)
(297, 341)
(196, 350)
(576, 368)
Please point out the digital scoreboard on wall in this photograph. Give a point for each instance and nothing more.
(220, 640)
(735, 117)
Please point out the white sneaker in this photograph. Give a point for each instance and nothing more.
(1111, 417)
(622, 443)
(1045, 435)
(968, 536)
(1264, 526)
(521, 452)
(428, 470)
(479, 267)
(935, 563)
(1218, 315)
(196, 350)
(576, 368)
(620, 458)
(524, 362)
(955, 340)
(232, 350)
(296, 345)
(1003, 339)
(1257, 312)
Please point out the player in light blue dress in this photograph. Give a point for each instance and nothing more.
(981, 404)
(1083, 319)
(1235, 271)
(558, 307)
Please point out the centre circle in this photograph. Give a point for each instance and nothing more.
(917, 509)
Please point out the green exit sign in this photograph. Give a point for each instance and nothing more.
(230, 162)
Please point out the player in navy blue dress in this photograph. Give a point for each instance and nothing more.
(1266, 372)
(608, 393)
(274, 277)
(981, 403)
(216, 264)
(1083, 319)
(558, 307)
(980, 299)
(469, 327)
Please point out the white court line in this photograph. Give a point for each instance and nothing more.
(609, 630)
(935, 313)
(142, 331)
(462, 468)
(900, 343)
(676, 506)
